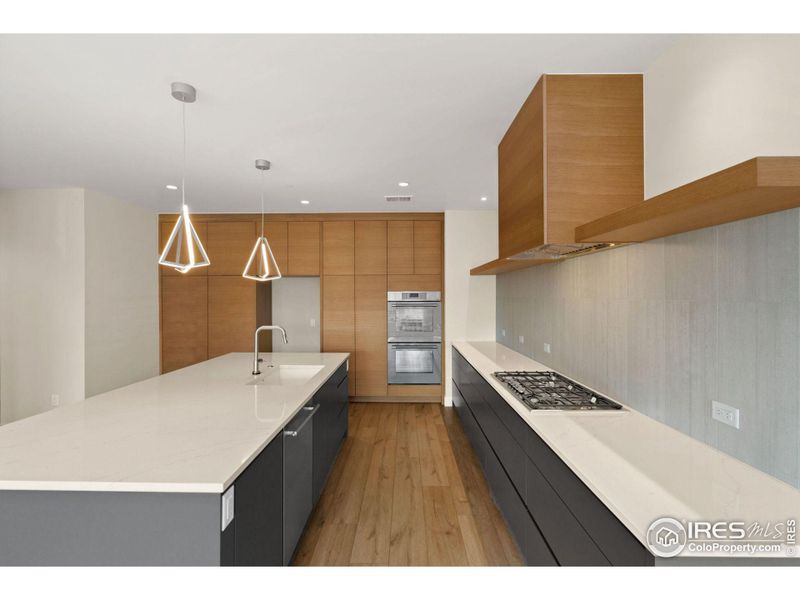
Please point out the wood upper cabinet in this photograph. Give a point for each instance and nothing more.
(231, 314)
(402, 283)
(573, 153)
(338, 319)
(338, 248)
(165, 229)
(184, 322)
(277, 236)
(427, 247)
(304, 243)
(370, 248)
(229, 246)
(370, 330)
(400, 247)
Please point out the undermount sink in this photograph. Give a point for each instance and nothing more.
(285, 374)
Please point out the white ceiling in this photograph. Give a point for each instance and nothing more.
(343, 118)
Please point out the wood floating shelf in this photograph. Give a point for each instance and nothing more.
(755, 187)
(504, 265)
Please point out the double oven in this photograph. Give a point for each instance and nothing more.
(415, 338)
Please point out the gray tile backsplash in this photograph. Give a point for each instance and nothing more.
(670, 325)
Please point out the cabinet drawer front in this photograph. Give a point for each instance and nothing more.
(515, 424)
(569, 542)
(613, 539)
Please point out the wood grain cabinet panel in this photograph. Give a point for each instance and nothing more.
(231, 314)
(370, 256)
(520, 160)
(427, 247)
(229, 246)
(370, 312)
(201, 228)
(304, 243)
(338, 247)
(427, 283)
(184, 322)
(277, 236)
(338, 319)
(400, 247)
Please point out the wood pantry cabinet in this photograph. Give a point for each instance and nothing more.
(359, 258)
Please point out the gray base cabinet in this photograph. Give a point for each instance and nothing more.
(554, 517)
(276, 494)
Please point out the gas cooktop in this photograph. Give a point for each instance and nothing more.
(546, 390)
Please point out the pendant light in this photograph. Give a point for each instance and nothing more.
(261, 266)
(183, 250)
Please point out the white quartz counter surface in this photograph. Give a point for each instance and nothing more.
(193, 430)
(639, 468)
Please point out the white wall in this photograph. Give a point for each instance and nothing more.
(78, 297)
(713, 101)
(121, 293)
(470, 239)
(41, 300)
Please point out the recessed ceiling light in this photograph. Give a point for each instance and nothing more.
(304, 202)
(403, 184)
(172, 187)
(484, 198)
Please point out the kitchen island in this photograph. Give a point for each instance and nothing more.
(207, 465)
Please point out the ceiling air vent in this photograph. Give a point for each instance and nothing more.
(398, 198)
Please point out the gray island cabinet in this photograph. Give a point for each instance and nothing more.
(248, 512)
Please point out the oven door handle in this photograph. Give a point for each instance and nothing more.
(416, 346)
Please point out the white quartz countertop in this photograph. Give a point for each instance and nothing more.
(193, 430)
(639, 468)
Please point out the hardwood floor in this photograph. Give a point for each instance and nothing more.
(406, 489)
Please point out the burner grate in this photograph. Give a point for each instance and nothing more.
(543, 390)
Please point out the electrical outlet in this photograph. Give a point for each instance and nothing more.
(522, 339)
(547, 348)
(227, 508)
(725, 414)
(55, 399)
(503, 332)
(312, 323)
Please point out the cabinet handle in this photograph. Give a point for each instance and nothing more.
(296, 432)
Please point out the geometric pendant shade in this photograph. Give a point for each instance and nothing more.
(262, 265)
(183, 250)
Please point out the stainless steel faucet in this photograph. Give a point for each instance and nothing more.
(256, 370)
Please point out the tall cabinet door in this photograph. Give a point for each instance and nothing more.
(338, 248)
(231, 314)
(370, 245)
(338, 319)
(427, 247)
(184, 321)
(371, 345)
(400, 247)
(304, 241)
(229, 246)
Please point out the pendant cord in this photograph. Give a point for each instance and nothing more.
(262, 203)
(183, 172)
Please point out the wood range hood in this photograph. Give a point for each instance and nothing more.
(573, 153)
(571, 178)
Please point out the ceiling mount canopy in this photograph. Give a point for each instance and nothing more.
(184, 251)
(262, 266)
